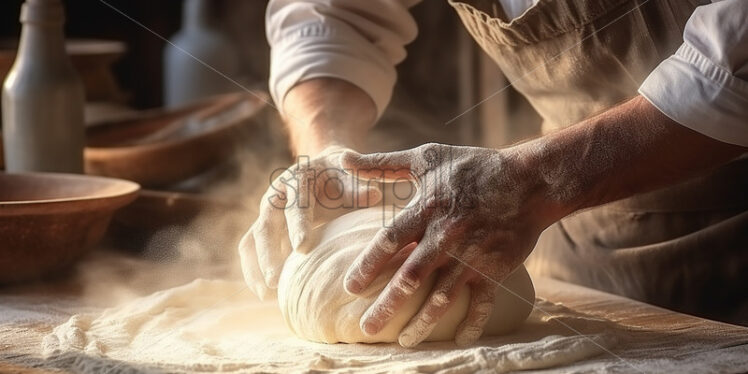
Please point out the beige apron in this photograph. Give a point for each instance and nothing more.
(683, 247)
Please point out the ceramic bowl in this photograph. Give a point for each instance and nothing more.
(48, 220)
(163, 147)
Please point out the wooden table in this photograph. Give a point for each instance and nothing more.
(656, 339)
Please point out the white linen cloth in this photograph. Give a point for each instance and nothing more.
(217, 325)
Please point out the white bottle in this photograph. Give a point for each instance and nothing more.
(201, 59)
(43, 97)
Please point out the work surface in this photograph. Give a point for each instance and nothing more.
(217, 325)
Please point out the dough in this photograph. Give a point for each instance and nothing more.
(317, 308)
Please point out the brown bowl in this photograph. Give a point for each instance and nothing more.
(48, 220)
(164, 147)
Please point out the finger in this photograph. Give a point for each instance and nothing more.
(271, 239)
(299, 210)
(407, 226)
(387, 166)
(444, 294)
(482, 297)
(250, 267)
(402, 286)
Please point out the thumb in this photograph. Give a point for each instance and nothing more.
(387, 166)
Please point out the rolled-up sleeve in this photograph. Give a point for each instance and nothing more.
(704, 85)
(359, 41)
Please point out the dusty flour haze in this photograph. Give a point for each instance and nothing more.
(205, 246)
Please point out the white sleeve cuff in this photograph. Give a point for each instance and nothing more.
(701, 95)
(308, 51)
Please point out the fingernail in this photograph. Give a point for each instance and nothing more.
(271, 278)
(261, 292)
(406, 340)
(468, 337)
(369, 328)
(298, 239)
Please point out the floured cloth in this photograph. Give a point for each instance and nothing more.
(212, 325)
(218, 325)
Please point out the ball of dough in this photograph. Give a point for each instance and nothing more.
(317, 308)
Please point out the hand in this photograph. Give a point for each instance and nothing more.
(475, 217)
(303, 196)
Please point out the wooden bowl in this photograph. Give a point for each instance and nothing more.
(48, 220)
(163, 147)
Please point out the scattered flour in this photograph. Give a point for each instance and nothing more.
(216, 325)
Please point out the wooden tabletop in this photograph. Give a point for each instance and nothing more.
(652, 339)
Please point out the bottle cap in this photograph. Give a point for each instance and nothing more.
(49, 12)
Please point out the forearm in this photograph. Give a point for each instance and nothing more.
(326, 111)
(629, 149)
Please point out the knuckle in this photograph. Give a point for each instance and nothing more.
(384, 311)
(481, 313)
(364, 269)
(432, 154)
(439, 300)
(441, 240)
(377, 159)
(451, 274)
(429, 147)
(430, 202)
(388, 240)
(429, 318)
(409, 280)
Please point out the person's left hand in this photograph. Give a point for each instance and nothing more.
(476, 216)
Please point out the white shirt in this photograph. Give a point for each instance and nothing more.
(703, 86)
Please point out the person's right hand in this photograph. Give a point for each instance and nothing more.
(313, 191)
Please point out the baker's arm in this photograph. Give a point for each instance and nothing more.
(502, 199)
(479, 212)
(327, 112)
(358, 42)
(332, 72)
(630, 149)
(696, 103)
(703, 90)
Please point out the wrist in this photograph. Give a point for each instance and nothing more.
(325, 112)
(312, 139)
(551, 192)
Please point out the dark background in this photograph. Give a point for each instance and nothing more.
(445, 71)
(139, 70)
